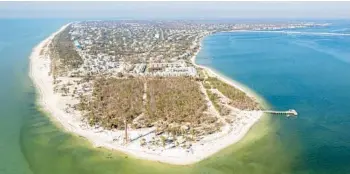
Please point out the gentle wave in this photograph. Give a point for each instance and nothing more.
(341, 30)
(298, 32)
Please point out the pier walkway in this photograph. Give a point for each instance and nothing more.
(290, 112)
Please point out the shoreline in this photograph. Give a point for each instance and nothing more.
(53, 104)
(222, 77)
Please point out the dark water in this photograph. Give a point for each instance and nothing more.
(289, 71)
(306, 72)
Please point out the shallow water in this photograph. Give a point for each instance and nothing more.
(31, 143)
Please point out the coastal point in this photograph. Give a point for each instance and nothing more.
(134, 87)
(174, 87)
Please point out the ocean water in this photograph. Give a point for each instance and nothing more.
(307, 73)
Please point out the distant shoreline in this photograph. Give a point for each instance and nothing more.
(54, 103)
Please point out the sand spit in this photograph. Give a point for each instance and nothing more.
(54, 104)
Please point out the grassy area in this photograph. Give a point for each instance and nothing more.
(238, 98)
(214, 98)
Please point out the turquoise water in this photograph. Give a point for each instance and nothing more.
(17, 38)
(307, 73)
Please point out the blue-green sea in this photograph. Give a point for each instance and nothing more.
(304, 71)
(307, 71)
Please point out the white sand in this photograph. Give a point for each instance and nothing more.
(54, 104)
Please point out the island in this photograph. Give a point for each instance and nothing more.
(133, 86)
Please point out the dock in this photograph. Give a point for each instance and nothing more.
(290, 112)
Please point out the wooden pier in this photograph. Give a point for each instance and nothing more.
(290, 112)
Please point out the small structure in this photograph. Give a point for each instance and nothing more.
(290, 112)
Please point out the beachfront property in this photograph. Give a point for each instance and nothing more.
(174, 72)
(178, 68)
(177, 64)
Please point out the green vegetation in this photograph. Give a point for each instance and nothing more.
(175, 105)
(113, 102)
(63, 54)
(238, 98)
(214, 98)
(174, 100)
(178, 106)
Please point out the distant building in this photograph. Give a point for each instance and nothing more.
(164, 65)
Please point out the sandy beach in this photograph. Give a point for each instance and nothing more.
(54, 104)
